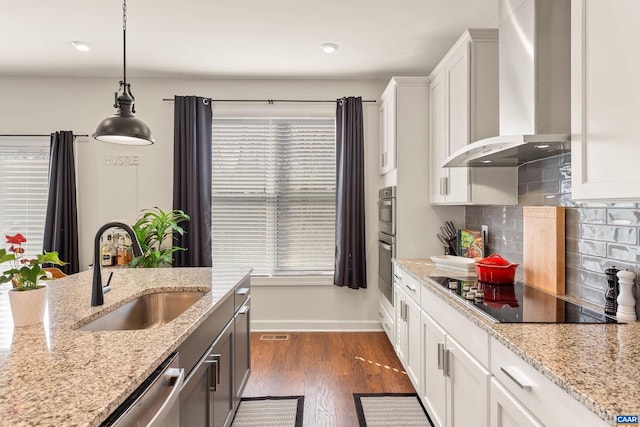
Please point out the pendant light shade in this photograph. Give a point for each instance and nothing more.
(123, 127)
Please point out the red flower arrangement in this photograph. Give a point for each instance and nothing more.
(25, 272)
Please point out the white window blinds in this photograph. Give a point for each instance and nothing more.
(24, 185)
(273, 194)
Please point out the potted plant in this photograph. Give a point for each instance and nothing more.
(155, 231)
(28, 298)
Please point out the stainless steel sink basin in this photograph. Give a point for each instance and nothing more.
(146, 311)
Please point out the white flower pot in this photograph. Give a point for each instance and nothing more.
(27, 307)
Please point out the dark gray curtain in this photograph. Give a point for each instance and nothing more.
(350, 263)
(61, 222)
(192, 178)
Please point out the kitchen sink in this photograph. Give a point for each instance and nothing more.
(146, 311)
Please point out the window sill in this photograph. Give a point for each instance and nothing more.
(311, 280)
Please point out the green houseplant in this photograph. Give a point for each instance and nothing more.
(28, 298)
(24, 273)
(155, 230)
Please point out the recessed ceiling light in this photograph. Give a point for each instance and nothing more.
(329, 47)
(542, 146)
(486, 161)
(81, 46)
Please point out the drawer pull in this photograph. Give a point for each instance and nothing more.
(411, 287)
(512, 377)
(242, 291)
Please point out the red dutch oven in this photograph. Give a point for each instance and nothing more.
(495, 269)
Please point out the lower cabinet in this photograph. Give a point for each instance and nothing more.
(525, 397)
(217, 362)
(464, 377)
(467, 386)
(408, 331)
(507, 411)
(455, 384)
(206, 395)
(433, 395)
(242, 359)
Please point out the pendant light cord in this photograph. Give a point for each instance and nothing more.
(124, 41)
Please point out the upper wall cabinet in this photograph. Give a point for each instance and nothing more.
(464, 108)
(387, 122)
(402, 108)
(605, 100)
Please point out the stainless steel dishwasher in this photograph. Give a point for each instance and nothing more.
(155, 403)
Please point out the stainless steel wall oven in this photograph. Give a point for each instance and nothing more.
(386, 240)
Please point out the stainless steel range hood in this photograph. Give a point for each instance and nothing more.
(534, 83)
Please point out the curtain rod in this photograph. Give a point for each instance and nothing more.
(23, 135)
(270, 101)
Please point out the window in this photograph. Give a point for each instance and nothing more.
(273, 194)
(24, 185)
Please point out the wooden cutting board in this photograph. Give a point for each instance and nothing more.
(543, 248)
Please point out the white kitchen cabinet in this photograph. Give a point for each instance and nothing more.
(547, 403)
(463, 109)
(387, 122)
(467, 387)
(433, 395)
(455, 383)
(402, 109)
(507, 411)
(605, 100)
(387, 319)
(408, 328)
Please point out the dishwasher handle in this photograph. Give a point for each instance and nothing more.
(155, 403)
(174, 376)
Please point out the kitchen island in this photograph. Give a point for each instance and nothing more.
(53, 374)
(595, 364)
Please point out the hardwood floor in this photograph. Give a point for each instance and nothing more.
(327, 368)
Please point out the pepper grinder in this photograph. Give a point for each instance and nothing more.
(610, 304)
(626, 301)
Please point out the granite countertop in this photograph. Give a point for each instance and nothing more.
(54, 375)
(597, 364)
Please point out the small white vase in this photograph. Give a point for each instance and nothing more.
(27, 307)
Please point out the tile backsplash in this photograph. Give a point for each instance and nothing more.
(598, 235)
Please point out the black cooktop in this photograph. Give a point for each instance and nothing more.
(517, 303)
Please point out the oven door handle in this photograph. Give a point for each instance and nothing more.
(384, 245)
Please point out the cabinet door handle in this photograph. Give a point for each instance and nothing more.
(411, 287)
(446, 185)
(445, 362)
(512, 376)
(214, 359)
(440, 355)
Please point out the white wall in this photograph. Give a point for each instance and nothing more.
(43, 105)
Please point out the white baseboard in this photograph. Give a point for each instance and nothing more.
(316, 326)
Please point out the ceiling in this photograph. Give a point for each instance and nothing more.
(235, 38)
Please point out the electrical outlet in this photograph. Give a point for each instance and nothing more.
(485, 234)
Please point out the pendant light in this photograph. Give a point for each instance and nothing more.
(123, 127)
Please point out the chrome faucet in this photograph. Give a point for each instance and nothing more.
(97, 292)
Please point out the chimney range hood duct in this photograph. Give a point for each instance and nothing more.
(534, 84)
